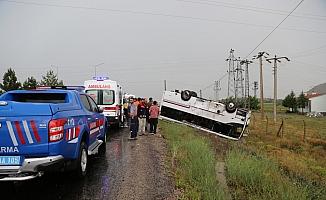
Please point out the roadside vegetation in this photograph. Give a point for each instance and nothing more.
(254, 176)
(193, 162)
(298, 150)
(264, 165)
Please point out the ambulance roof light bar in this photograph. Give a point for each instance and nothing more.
(100, 78)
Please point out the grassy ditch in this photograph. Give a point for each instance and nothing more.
(193, 162)
(253, 176)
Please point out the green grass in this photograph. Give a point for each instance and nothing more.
(257, 177)
(193, 162)
(269, 107)
(303, 160)
(265, 166)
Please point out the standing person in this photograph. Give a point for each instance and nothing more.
(133, 120)
(154, 112)
(148, 105)
(138, 100)
(126, 112)
(141, 112)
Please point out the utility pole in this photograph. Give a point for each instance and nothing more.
(97, 66)
(275, 59)
(200, 94)
(217, 89)
(164, 85)
(231, 73)
(239, 90)
(260, 56)
(247, 92)
(255, 88)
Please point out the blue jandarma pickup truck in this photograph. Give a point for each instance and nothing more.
(48, 130)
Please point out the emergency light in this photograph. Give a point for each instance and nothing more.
(100, 78)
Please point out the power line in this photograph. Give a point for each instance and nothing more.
(266, 9)
(222, 77)
(260, 10)
(157, 14)
(308, 52)
(275, 28)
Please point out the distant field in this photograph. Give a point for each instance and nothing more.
(269, 107)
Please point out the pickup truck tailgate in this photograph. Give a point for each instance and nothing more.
(24, 129)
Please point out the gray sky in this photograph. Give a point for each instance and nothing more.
(143, 42)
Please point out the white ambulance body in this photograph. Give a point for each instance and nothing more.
(108, 95)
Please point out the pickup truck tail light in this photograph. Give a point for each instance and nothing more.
(56, 129)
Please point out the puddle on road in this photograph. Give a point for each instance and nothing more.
(104, 187)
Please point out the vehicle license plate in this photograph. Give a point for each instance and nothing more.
(10, 160)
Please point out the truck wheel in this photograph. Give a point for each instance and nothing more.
(230, 107)
(193, 94)
(82, 161)
(102, 148)
(186, 95)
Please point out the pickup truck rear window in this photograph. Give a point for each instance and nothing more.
(38, 97)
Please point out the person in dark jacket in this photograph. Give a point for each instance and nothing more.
(148, 105)
(133, 120)
(142, 114)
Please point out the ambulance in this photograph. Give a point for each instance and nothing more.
(108, 95)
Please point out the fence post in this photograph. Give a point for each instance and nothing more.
(280, 129)
(304, 130)
(266, 124)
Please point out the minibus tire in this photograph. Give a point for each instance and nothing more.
(230, 107)
(186, 95)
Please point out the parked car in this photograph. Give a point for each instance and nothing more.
(46, 130)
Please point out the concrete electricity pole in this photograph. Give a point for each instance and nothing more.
(260, 56)
(276, 59)
(255, 88)
(247, 93)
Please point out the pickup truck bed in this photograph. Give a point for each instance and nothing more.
(45, 130)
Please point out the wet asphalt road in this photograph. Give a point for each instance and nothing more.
(130, 170)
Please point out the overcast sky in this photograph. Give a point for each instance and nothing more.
(143, 42)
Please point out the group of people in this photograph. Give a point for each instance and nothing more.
(139, 113)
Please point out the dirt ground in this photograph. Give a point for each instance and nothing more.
(147, 176)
